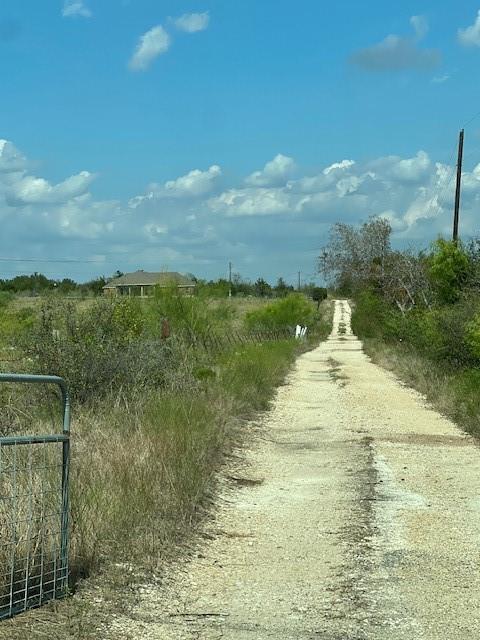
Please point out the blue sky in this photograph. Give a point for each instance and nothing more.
(181, 135)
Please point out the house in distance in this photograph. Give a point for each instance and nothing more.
(142, 283)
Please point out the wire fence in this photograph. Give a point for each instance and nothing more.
(214, 342)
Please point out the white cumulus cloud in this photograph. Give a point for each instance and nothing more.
(344, 164)
(74, 8)
(470, 36)
(411, 169)
(251, 202)
(195, 183)
(402, 170)
(150, 45)
(273, 173)
(10, 158)
(31, 190)
(192, 22)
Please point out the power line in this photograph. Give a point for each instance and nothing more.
(54, 261)
(471, 120)
(439, 192)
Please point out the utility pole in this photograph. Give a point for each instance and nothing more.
(229, 279)
(457, 189)
(299, 274)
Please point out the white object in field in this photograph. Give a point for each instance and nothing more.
(304, 331)
(298, 331)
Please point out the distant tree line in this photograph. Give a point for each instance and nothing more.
(260, 288)
(39, 284)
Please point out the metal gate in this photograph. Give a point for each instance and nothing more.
(34, 511)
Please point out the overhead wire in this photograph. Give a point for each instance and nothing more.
(438, 198)
(53, 260)
(474, 117)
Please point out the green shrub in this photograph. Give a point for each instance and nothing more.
(14, 325)
(472, 336)
(187, 315)
(452, 325)
(128, 320)
(369, 316)
(281, 314)
(103, 349)
(447, 333)
(5, 298)
(319, 294)
(449, 268)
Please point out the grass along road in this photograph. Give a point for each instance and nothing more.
(355, 515)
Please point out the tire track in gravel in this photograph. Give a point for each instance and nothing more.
(358, 517)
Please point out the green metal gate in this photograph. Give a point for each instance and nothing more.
(34, 510)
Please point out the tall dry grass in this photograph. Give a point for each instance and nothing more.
(144, 467)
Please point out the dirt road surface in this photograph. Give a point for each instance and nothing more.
(356, 516)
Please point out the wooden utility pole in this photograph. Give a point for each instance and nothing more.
(299, 273)
(458, 186)
(229, 279)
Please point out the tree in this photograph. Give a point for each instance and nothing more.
(67, 285)
(448, 269)
(241, 287)
(361, 258)
(355, 257)
(94, 286)
(405, 282)
(282, 288)
(34, 283)
(319, 294)
(262, 288)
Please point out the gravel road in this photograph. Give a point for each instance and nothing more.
(356, 515)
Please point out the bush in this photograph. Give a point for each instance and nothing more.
(452, 325)
(188, 316)
(448, 270)
(447, 334)
(14, 325)
(282, 314)
(369, 315)
(103, 349)
(319, 294)
(472, 336)
(5, 298)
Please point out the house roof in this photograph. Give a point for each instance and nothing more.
(145, 278)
